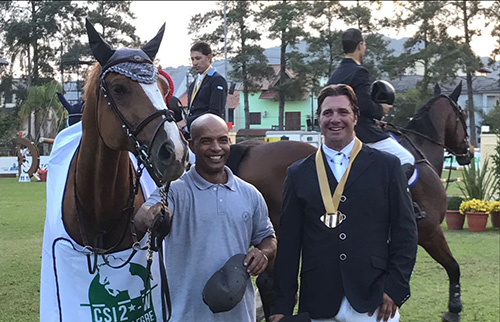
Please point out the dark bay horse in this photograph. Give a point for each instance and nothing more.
(124, 112)
(264, 165)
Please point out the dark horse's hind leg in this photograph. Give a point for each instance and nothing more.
(431, 196)
(265, 285)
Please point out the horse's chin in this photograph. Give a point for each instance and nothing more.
(465, 160)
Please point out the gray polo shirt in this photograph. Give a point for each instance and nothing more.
(211, 223)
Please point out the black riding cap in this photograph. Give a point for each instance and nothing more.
(225, 289)
(134, 63)
(383, 92)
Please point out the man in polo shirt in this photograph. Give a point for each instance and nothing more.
(215, 216)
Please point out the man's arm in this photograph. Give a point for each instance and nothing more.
(218, 96)
(403, 243)
(362, 86)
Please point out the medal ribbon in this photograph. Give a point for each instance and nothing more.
(332, 202)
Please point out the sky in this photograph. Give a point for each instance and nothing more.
(174, 50)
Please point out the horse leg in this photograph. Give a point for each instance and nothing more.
(431, 196)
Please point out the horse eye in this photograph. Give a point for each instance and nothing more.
(119, 89)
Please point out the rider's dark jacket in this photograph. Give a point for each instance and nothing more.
(350, 73)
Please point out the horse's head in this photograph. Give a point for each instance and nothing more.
(456, 136)
(130, 110)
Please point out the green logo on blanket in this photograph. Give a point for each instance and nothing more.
(115, 298)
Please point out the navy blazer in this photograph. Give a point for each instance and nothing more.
(211, 97)
(378, 238)
(350, 73)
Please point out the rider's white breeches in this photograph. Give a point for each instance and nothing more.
(392, 146)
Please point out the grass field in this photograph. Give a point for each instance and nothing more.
(22, 212)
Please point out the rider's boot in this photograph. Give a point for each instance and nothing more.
(408, 169)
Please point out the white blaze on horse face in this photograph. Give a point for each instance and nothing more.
(154, 95)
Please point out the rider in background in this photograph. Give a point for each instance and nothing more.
(352, 73)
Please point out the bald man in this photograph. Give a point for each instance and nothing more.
(215, 215)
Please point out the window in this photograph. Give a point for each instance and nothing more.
(255, 118)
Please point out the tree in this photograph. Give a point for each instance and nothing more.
(466, 13)
(404, 107)
(324, 45)
(492, 118)
(430, 46)
(249, 64)
(42, 100)
(286, 21)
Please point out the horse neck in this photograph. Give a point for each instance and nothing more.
(434, 152)
(102, 178)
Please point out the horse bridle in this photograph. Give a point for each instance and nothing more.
(460, 117)
(143, 150)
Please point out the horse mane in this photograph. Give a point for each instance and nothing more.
(421, 121)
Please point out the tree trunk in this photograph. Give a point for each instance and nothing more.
(470, 97)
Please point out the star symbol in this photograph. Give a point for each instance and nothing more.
(131, 307)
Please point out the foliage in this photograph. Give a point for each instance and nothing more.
(41, 100)
(492, 118)
(494, 15)
(496, 161)
(473, 205)
(406, 105)
(454, 202)
(8, 126)
(478, 183)
(493, 206)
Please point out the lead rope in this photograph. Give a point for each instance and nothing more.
(156, 243)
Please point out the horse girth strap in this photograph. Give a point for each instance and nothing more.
(331, 202)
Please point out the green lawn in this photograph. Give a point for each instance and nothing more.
(22, 212)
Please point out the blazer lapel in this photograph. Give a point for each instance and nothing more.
(359, 166)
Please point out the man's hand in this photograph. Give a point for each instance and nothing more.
(256, 262)
(143, 219)
(386, 108)
(387, 309)
(276, 317)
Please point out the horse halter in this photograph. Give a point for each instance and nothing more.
(460, 117)
(143, 73)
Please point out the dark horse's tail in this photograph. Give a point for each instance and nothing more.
(238, 154)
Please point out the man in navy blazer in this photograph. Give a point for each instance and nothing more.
(208, 93)
(357, 267)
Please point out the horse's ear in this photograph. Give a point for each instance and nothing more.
(456, 92)
(151, 48)
(437, 90)
(100, 48)
(63, 101)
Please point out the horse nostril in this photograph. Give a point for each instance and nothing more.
(165, 153)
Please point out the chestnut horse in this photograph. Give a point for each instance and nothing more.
(443, 125)
(93, 178)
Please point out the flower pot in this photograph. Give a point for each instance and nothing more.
(495, 219)
(477, 221)
(454, 220)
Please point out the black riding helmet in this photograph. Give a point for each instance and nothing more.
(383, 92)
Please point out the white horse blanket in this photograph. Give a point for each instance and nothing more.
(68, 292)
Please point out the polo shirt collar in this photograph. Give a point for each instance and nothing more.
(203, 184)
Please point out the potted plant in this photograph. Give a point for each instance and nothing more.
(478, 183)
(454, 219)
(475, 210)
(494, 212)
